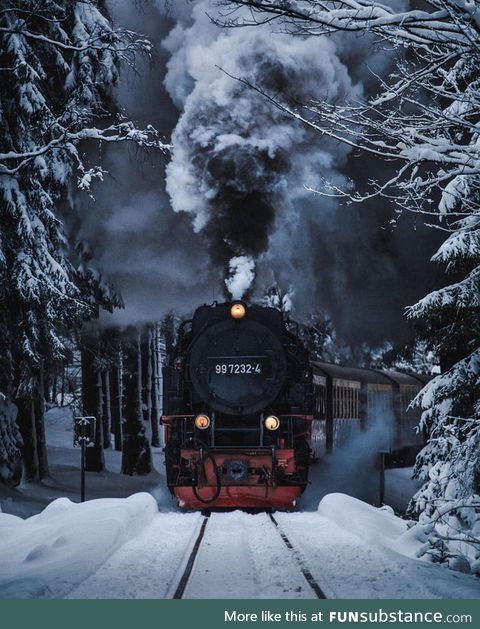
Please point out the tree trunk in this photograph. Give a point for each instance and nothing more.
(152, 389)
(99, 426)
(54, 386)
(136, 453)
(139, 377)
(39, 414)
(158, 381)
(107, 412)
(26, 424)
(117, 390)
(94, 459)
(48, 386)
(62, 394)
(147, 381)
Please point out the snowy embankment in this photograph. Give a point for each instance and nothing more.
(125, 548)
(46, 555)
(355, 550)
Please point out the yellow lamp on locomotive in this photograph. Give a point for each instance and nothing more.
(202, 421)
(271, 423)
(238, 310)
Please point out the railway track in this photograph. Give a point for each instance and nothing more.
(182, 584)
(309, 578)
(210, 569)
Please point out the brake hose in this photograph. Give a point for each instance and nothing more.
(214, 463)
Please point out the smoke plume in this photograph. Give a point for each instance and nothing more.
(240, 168)
(238, 162)
(149, 252)
(352, 468)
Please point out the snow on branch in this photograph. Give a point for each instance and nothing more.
(425, 115)
(319, 17)
(122, 132)
(93, 33)
(123, 41)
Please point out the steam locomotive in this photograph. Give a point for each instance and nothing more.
(246, 410)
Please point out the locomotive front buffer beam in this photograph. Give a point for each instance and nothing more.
(259, 475)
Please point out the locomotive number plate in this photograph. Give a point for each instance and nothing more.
(232, 368)
(233, 365)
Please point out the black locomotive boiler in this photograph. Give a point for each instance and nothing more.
(238, 409)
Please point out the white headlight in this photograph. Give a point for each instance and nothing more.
(202, 421)
(271, 422)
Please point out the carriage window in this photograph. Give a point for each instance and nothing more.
(346, 395)
(320, 394)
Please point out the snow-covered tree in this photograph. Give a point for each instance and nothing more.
(414, 357)
(425, 120)
(316, 331)
(276, 297)
(58, 64)
(10, 444)
(450, 463)
(320, 338)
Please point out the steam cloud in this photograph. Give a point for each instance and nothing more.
(240, 168)
(150, 253)
(352, 468)
(241, 276)
(238, 162)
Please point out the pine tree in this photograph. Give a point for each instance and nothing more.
(136, 453)
(320, 338)
(58, 64)
(425, 119)
(276, 297)
(10, 444)
(449, 466)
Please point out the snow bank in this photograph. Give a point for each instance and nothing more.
(357, 551)
(48, 554)
(373, 525)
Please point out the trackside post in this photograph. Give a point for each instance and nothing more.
(83, 435)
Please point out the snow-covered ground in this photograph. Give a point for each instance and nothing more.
(64, 481)
(359, 551)
(147, 566)
(46, 555)
(125, 548)
(244, 557)
(115, 546)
